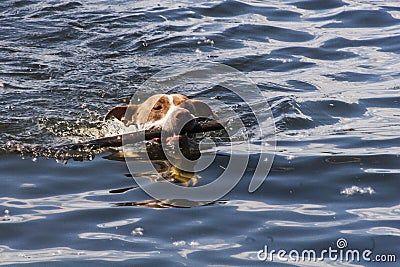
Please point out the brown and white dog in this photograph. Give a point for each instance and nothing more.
(171, 113)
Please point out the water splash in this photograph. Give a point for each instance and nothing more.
(349, 191)
(138, 231)
(6, 216)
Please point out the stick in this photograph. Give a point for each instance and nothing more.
(134, 137)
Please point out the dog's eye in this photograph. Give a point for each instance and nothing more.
(157, 107)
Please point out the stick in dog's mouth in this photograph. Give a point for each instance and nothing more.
(183, 137)
(134, 137)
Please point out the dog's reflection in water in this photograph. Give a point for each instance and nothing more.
(165, 172)
(169, 203)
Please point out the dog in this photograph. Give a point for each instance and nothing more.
(172, 114)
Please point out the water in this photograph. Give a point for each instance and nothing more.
(329, 70)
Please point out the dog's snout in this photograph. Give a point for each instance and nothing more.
(180, 120)
(182, 114)
(183, 119)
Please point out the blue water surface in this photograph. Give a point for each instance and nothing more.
(328, 69)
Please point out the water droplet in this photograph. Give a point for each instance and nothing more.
(290, 157)
(137, 231)
(6, 215)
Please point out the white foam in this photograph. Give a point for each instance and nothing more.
(349, 191)
(179, 243)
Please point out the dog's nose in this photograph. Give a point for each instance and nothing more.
(180, 120)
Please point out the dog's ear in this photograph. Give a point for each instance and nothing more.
(126, 114)
(117, 112)
(198, 109)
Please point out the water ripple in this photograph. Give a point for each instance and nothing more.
(256, 206)
(377, 213)
(41, 207)
(375, 231)
(13, 256)
(125, 238)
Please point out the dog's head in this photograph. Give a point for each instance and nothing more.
(171, 113)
